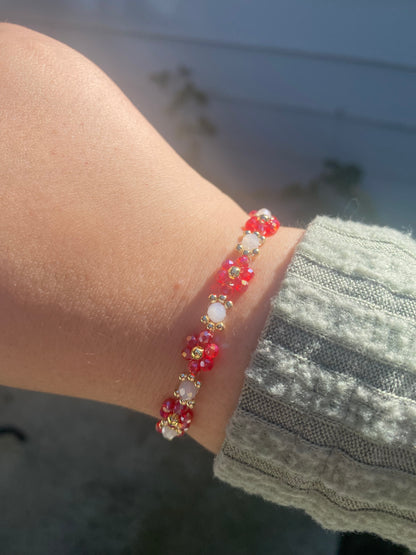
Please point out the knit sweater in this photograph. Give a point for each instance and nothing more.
(326, 419)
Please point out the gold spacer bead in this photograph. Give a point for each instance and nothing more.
(210, 326)
(204, 320)
(173, 420)
(176, 394)
(197, 353)
(220, 326)
(239, 247)
(234, 272)
(265, 217)
(190, 378)
(212, 298)
(197, 384)
(255, 251)
(228, 304)
(222, 298)
(246, 253)
(182, 377)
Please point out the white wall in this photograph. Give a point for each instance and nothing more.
(291, 82)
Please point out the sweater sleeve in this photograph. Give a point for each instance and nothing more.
(326, 419)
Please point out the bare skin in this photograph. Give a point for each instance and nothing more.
(108, 244)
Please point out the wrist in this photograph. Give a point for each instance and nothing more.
(221, 387)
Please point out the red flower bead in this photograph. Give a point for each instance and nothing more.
(183, 415)
(234, 276)
(265, 227)
(200, 351)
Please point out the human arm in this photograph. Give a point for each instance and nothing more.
(108, 244)
(101, 280)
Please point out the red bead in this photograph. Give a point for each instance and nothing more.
(167, 407)
(159, 426)
(211, 351)
(247, 274)
(193, 367)
(185, 418)
(177, 407)
(271, 226)
(206, 364)
(230, 284)
(240, 285)
(227, 265)
(191, 342)
(264, 227)
(254, 224)
(222, 277)
(205, 337)
(243, 261)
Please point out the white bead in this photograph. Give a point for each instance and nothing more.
(250, 242)
(216, 312)
(187, 390)
(168, 432)
(263, 212)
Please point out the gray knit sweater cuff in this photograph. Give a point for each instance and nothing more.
(326, 420)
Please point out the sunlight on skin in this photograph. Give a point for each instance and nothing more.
(109, 241)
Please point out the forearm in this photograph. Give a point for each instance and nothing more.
(108, 243)
(86, 313)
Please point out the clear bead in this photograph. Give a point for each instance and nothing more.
(264, 212)
(187, 390)
(168, 432)
(216, 312)
(250, 242)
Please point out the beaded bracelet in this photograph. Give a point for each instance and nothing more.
(200, 350)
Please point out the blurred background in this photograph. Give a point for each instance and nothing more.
(304, 107)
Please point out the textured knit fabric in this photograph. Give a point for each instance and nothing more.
(326, 420)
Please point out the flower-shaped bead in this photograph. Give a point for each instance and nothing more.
(200, 351)
(234, 276)
(263, 222)
(176, 418)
